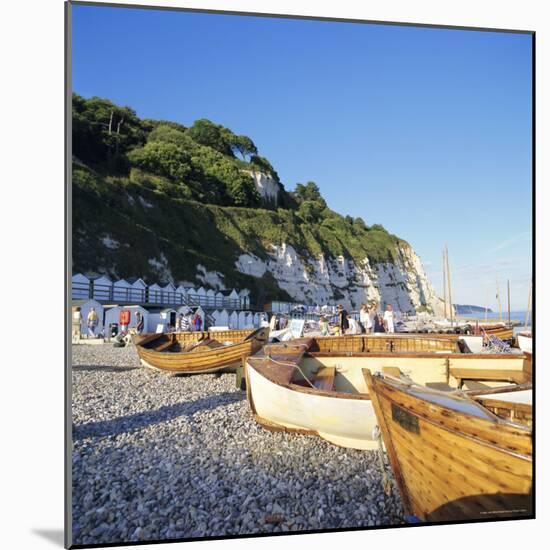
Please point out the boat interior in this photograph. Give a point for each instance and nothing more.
(188, 342)
(317, 365)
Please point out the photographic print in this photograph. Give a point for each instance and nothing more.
(301, 274)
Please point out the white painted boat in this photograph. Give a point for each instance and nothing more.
(317, 386)
(525, 342)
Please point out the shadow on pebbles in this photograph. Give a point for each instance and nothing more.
(157, 456)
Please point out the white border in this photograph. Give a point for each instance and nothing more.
(32, 226)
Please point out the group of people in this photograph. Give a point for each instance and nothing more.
(370, 321)
(188, 323)
(184, 323)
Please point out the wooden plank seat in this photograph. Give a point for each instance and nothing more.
(517, 376)
(165, 345)
(324, 379)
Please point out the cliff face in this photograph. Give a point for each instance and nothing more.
(322, 279)
(169, 203)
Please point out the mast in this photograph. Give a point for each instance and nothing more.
(508, 282)
(499, 304)
(486, 302)
(451, 312)
(444, 287)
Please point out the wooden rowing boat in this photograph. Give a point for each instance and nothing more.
(501, 331)
(199, 352)
(317, 385)
(453, 458)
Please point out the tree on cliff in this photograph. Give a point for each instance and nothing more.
(243, 145)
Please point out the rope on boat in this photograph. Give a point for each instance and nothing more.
(289, 364)
(386, 483)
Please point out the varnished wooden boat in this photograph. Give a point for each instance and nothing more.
(199, 352)
(501, 331)
(317, 385)
(453, 458)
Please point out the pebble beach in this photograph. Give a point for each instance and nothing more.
(159, 456)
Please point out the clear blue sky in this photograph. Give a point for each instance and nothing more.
(427, 131)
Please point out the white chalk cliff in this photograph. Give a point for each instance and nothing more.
(321, 280)
(266, 186)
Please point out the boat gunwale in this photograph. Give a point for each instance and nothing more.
(514, 429)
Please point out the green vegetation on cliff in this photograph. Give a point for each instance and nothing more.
(157, 199)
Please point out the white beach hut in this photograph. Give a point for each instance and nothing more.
(154, 294)
(138, 291)
(160, 318)
(223, 318)
(244, 295)
(80, 287)
(201, 293)
(85, 307)
(249, 320)
(219, 299)
(242, 319)
(191, 296)
(215, 316)
(234, 320)
(210, 298)
(181, 295)
(121, 291)
(102, 288)
(169, 294)
(234, 298)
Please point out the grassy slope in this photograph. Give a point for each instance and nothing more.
(188, 233)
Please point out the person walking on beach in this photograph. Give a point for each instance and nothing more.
(323, 325)
(364, 318)
(92, 322)
(77, 323)
(388, 319)
(197, 321)
(179, 323)
(140, 322)
(353, 326)
(378, 321)
(186, 323)
(342, 319)
(124, 320)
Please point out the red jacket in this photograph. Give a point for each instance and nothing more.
(124, 317)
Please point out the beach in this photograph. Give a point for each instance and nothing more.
(157, 456)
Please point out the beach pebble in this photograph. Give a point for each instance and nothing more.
(157, 456)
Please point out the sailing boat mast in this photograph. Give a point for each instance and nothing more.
(451, 312)
(444, 287)
(509, 322)
(499, 303)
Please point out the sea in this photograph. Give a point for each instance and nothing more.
(495, 316)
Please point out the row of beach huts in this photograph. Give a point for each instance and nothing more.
(137, 291)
